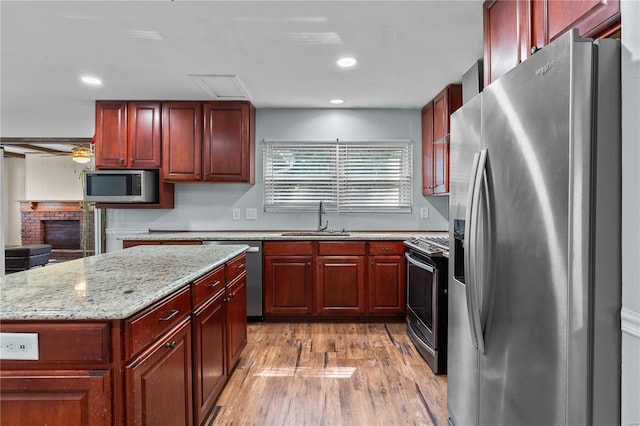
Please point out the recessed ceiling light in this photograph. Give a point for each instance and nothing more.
(346, 62)
(337, 101)
(91, 80)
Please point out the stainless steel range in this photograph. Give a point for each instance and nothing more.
(427, 262)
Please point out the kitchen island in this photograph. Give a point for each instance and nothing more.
(142, 336)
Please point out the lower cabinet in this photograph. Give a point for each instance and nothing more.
(236, 295)
(56, 398)
(159, 382)
(209, 355)
(334, 279)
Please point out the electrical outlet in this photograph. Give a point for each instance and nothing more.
(424, 213)
(19, 346)
(251, 213)
(236, 214)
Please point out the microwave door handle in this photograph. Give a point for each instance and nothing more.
(419, 264)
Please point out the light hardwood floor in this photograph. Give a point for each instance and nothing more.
(337, 374)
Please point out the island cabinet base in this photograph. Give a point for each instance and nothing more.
(153, 368)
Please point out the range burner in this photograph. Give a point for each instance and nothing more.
(430, 246)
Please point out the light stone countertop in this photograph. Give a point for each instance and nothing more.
(108, 286)
(278, 235)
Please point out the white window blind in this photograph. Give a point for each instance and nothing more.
(347, 175)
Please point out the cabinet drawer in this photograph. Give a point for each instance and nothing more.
(143, 328)
(65, 342)
(342, 248)
(295, 248)
(208, 286)
(236, 267)
(386, 248)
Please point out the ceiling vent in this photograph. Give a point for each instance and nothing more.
(219, 86)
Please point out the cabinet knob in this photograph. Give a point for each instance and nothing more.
(225, 300)
(170, 345)
(233, 295)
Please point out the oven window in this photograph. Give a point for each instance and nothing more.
(420, 293)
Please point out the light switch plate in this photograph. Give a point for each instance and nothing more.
(236, 214)
(19, 346)
(251, 213)
(424, 213)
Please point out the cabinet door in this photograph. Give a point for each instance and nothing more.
(228, 142)
(341, 285)
(210, 352)
(56, 398)
(236, 320)
(144, 134)
(427, 149)
(445, 104)
(111, 134)
(182, 141)
(591, 17)
(159, 382)
(507, 36)
(288, 282)
(387, 285)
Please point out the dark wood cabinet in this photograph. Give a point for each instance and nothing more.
(144, 138)
(506, 36)
(288, 278)
(159, 381)
(56, 398)
(127, 135)
(387, 278)
(208, 142)
(209, 354)
(427, 149)
(334, 279)
(513, 30)
(236, 294)
(341, 285)
(111, 147)
(227, 147)
(182, 141)
(436, 117)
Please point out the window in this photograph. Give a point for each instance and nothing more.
(347, 175)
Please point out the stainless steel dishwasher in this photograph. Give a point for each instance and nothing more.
(254, 276)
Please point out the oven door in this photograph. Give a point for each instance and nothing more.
(422, 284)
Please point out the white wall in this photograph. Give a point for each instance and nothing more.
(52, 178)
(630, 10)
(209, 206)
(13, 189)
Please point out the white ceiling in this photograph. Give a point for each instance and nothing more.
(282, 52)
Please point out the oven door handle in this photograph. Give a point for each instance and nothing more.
(420, 265)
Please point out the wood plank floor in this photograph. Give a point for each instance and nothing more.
(337, 374)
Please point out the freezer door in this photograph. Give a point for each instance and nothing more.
(462, 356)
(534, 139)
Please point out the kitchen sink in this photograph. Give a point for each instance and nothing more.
(315, 233)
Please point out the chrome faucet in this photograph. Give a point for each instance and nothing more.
(320, 211)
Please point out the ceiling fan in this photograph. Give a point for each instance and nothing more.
(79, 151)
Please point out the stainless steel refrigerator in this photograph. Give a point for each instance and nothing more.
(534, 272)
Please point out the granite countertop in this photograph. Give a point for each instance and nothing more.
(279, 235)
(108, 286)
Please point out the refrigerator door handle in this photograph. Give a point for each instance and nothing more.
(469, 253)
(474, 283)
(484, 282)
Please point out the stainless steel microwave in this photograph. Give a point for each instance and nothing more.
(121, 186)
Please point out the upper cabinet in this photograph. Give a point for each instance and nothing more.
(208, 141)
(435, 139)
(513, 30)
(127, 135)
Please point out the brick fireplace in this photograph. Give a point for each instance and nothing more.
(58, 223)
